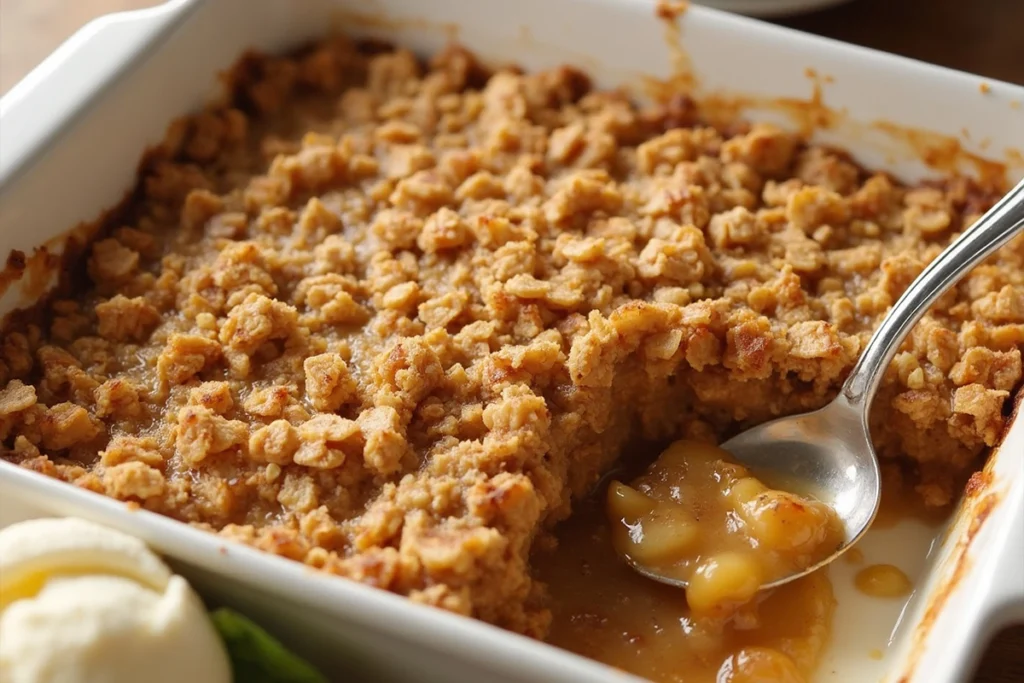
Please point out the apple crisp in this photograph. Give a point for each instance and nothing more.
(391, 319)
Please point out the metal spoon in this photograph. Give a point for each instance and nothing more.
(828, 452)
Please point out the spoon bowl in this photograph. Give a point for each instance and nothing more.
(787, 454)
(828, 453)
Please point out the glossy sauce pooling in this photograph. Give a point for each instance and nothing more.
(699, 517)
(606, 611)
(883, 581)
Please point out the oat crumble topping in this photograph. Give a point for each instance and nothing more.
(389, 319)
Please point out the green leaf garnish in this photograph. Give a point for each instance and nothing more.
(258, 657)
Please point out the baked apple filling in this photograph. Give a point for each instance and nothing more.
(700, 518)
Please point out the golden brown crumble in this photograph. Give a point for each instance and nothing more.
(390, 319)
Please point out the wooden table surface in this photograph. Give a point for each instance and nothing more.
(981, 36)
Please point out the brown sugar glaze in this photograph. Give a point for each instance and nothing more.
(394, 319)
(699, 517)
(606, 611)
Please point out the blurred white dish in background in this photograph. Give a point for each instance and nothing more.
(770, 8)
(81, 603)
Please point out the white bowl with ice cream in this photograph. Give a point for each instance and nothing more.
(81, 602)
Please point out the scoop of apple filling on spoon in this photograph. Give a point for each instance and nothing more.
(704, 521)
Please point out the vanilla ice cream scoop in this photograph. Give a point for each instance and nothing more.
(81, 603)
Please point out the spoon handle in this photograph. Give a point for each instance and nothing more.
(997, 227)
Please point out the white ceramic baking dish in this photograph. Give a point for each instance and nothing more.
(72, 132)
